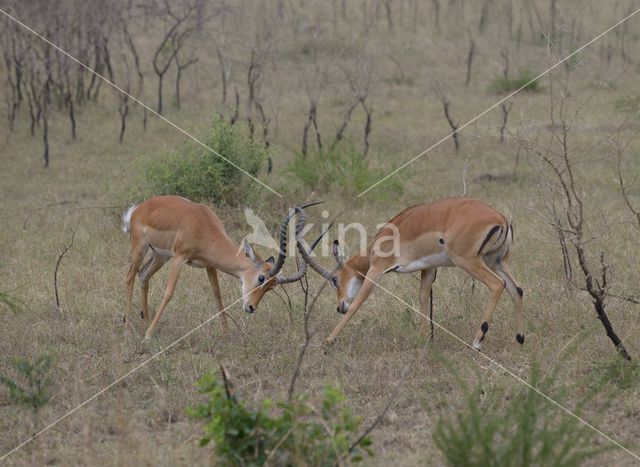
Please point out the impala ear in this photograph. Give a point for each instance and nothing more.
(337, 253)
(248, 250)
(271, 260)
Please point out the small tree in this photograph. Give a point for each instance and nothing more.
(35, 390)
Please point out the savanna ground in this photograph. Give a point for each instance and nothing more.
(91, 180)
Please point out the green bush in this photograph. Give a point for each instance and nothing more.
(286, 433)
(506, 84)
(34, 391)
(198, 174)
(518, 429)
(341, 169)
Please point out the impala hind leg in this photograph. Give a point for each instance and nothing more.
(427, 276)
(212, 274)
(370, 280)
(174, 272)
(149, 269)
(138, 252)
(516, 293)
(478, 269)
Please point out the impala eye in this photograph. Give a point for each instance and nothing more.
(260, 279)
(334, 282)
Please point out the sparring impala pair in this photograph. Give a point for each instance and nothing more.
(460, 232)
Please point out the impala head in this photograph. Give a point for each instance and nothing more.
(263, 275)
(344, 278)
(256, 280)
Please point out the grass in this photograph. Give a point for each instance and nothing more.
(142, 419)
(524, 80)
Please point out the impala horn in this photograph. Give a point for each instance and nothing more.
(304, 249)
(283, 249)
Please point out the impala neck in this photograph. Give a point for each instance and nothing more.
(229, 258)
(360, 263)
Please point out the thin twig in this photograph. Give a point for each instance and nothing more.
(64, 251)
(382, 414)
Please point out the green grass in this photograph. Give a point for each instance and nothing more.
(504, 84)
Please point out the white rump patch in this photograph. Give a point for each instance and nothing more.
(126, 219)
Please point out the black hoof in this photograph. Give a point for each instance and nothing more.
(520, 339)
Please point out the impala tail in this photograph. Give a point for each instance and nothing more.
(126, 218)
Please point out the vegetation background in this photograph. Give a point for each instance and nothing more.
(300, 71)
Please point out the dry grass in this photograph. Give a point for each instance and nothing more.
(141, 420)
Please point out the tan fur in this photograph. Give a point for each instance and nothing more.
(463, 224)
(192, 234)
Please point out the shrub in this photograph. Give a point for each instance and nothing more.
(506, 84)
(198, 174)
(297, 434)
(343, 169)
(35, 391)
(518, 429)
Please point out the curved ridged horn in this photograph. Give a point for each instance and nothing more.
(282, 255)
(303, 266)
(305, 251)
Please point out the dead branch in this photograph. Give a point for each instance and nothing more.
(66, 247)
(504, 109)
(470, 55)
(383, 412)
(556, 155)
(445, 107)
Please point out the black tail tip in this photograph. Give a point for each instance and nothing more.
(520, 338)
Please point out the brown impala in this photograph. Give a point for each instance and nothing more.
(462, 232)
(192, 234)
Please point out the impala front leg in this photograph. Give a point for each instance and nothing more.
(427, 277)
(174, 272)
(369, 283)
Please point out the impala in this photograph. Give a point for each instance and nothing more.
(462, 232)
(192, 234)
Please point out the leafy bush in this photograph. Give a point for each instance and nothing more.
(343, 169)
(35, 391)
(506, 84)
(198, 174)
(518, 429)
(297, 434)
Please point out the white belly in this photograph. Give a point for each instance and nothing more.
(439, 260)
